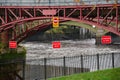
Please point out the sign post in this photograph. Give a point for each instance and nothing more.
(12, 44)
(55, 22)
(106, 40)
(56, 44)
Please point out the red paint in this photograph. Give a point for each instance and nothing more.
(56, 44)
(13, 13)
(12, 44)
(31, 13)
(55, 20)
(98, 15)
(106, 40)
(117, 15)
(6, 15)
(19, 38)
(49, 12)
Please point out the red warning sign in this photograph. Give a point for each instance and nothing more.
(49, 12)
(55, 22)
(106, 40)
(12, 44)
(56, 44)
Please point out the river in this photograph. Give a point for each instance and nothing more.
(38, 50)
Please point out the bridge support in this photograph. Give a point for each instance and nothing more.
(98, 40)
(4, 38)
(99, 33)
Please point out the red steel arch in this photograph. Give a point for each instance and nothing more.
(102, 16)
(33, 30)
(22, 36)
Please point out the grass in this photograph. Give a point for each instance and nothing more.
(109, 74)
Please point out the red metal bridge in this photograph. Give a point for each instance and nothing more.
(103, 16)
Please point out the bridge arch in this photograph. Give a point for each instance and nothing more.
(41, 27)
(7, 26)
(110, 29)
(100, 15)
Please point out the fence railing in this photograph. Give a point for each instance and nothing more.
(42, 69)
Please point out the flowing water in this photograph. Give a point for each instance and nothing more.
(38, 50)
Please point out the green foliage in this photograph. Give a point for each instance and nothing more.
(110, 74)
(62, 32)
(63, 29)
(13, 54)
(9, 63)
(2, 45)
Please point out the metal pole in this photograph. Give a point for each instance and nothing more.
(64, 13)
(117, 18)
(6, 15)
(98, 15)
(82, 63)
(45, 68)
(113, 60)
(23, 69)
(64, 66)
(98, 66)
(80, 13)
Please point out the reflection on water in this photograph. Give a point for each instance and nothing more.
(37, 50)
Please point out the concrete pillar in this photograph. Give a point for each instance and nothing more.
(4, 38)
(98, 40)
(99, 33)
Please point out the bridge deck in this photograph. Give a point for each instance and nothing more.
(54, 2)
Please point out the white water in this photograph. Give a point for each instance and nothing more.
(37, 50)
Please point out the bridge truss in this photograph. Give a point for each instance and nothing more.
(15, 19)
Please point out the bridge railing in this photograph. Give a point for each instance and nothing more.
(53, 2)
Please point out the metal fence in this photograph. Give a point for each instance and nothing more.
(42, 69)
